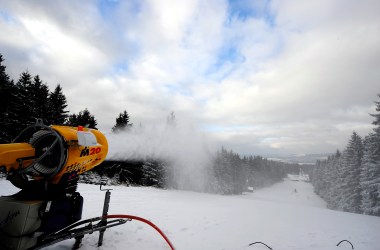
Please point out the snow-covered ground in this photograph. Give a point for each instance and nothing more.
(285, 216)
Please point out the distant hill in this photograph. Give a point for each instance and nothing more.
(299, 158)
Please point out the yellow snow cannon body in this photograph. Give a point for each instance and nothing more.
(53, 154)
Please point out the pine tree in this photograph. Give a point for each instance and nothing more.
(39, 94)
(84, 118)
(22, 110)
(229, 173)
(154, 174)
(222, 172)
(376, 122)
(317, 176)
(57, 107)
(171, 120)
(370, 175)
(350, 191)
(7, 90)
(333, 195)
(122, 122)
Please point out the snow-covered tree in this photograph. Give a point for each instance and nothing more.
(332, 173)
(324, 179)
(224, 171)
(376, 122)
(351, 181)
(154, 174)
(370, 175)
(233, 174)
(349, 175)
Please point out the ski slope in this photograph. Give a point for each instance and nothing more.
(286, 216)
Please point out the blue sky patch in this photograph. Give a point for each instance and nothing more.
(6, 16)
(106, 7)
(245, 9)
(227, 54)
(120, 67)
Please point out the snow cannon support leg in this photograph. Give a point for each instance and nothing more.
(78, 242)
(106, 205)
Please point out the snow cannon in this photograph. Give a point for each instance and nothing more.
(51, 156)
(45, 163)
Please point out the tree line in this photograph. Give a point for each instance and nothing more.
(234, 174)
(350, 180)
(28, 98)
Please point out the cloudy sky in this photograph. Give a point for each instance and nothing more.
(260, 76)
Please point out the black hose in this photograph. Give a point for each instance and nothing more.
(75, 233)
(259, 242)
(352, 246)
(74, 226)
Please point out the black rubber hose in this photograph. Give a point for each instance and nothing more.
(352, 246)
(262, 243)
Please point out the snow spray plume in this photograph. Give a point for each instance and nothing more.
(187, 151)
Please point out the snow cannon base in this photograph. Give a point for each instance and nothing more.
(19, 221)
(24, 223)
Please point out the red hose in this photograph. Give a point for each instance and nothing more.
(132, 217)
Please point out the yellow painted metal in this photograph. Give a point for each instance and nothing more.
(12, 153)
(79, 159)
